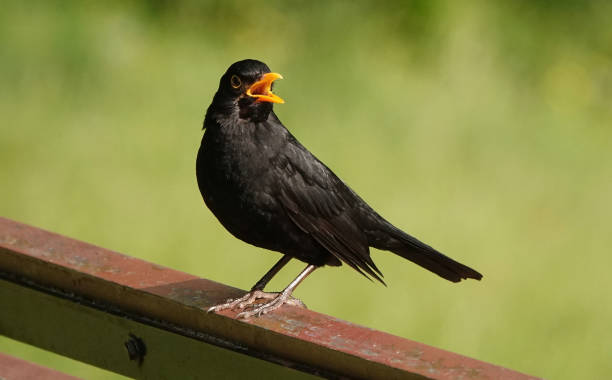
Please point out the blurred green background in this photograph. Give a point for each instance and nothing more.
(483, 128)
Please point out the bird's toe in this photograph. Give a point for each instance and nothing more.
(279, 300)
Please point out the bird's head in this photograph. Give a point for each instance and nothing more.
(245, 90)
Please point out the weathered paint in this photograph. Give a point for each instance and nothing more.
(295, 334)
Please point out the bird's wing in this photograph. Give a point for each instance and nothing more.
(321, 205)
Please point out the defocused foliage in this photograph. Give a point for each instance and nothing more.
(482, 127)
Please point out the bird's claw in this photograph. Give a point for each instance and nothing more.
(231, 303)
(249, 299)
(279, 300)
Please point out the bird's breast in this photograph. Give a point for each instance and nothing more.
(235, 177)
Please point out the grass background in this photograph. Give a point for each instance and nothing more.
(483, 128)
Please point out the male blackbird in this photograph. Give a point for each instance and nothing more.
(268, 190)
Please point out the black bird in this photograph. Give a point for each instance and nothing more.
(268, 190)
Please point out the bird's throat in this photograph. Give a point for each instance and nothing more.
(254, 111)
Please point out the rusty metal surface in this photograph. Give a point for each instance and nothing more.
(12, 368)
(292, 333)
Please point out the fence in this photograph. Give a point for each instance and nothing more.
(142, 320)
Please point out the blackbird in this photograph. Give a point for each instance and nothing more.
(268, 190)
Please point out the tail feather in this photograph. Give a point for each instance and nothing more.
(421, 254)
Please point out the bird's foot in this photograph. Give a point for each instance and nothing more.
(241, 302)
(278, 300)
(249, 300)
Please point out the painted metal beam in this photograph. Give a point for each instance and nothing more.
(107, 296)
(114, 341)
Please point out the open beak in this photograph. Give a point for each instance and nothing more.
(261, 89)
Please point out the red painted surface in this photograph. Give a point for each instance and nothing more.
(314, 334)
(86, 258)
(16, 369)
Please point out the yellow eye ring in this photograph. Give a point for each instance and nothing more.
(235, 81)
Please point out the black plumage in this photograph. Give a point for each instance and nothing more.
(268, 190)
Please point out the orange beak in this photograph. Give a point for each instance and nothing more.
(261, 89)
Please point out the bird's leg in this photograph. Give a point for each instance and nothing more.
(261, 284)
(280, 298)
(256, 291)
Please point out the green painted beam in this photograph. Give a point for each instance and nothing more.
(98, 337)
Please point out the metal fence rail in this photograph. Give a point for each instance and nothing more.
(145, 321)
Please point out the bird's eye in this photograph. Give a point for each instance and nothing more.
(235, 81)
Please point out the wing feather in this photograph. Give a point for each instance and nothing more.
(321, 205)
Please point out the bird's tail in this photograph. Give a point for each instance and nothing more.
(408, 247)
